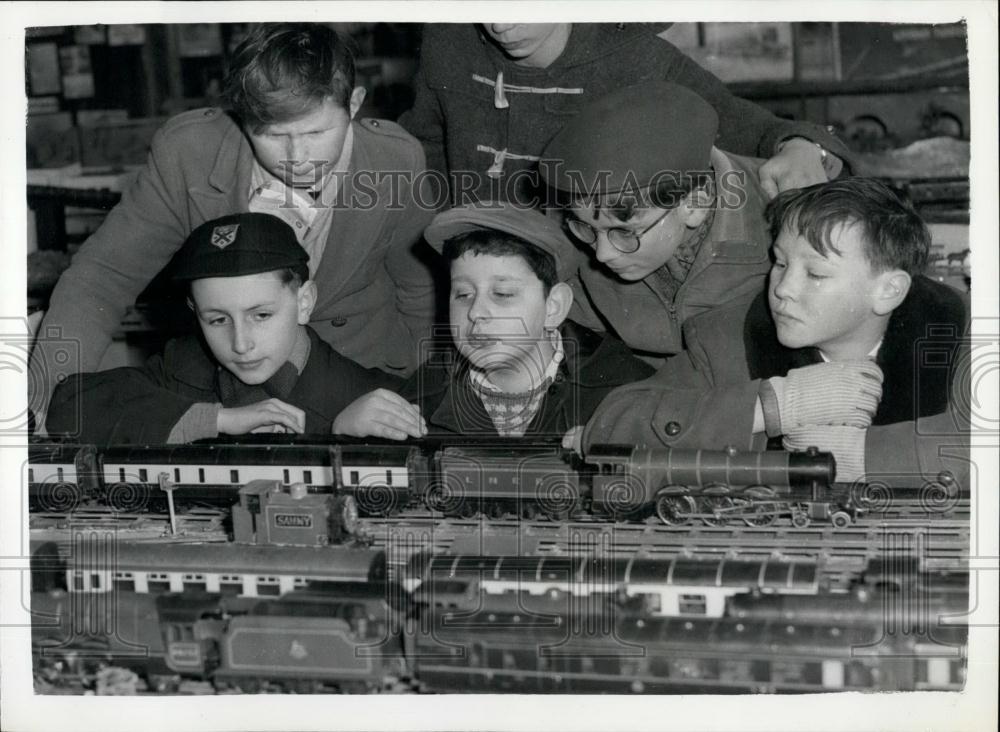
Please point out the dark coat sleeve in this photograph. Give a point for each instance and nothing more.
(745, 128)
(133, 405)
(330, 382)
(425, 120)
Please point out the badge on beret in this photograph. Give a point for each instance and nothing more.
(223, 236)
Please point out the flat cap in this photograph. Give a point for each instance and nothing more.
(239, 244)
(631, 138)
(527, 224)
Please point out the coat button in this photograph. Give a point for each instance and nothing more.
(338, 322)
(673, 428)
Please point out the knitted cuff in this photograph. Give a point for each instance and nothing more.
(769, 408)
(201, 421)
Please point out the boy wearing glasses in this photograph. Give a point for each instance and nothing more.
(675, 226)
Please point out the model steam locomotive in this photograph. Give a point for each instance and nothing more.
(499, 479)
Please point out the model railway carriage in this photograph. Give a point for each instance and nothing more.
(230, 569)
(212, 473)
(61, 477)
(464, 480)
(552, 653)
(677, 586)
(383, 480)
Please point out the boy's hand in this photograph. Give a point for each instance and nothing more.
(845, 442)
(833, 393)
(270, 415)
(380, 413)
(799, 163)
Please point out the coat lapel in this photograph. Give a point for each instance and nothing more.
(228, 189)
(349, 244)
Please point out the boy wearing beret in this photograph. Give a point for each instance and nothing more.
(850, 349)
(257, 367)
(515, 367)
(674, 226)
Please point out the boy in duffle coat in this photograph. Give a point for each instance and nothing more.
(257, 366)
(490, 96)
(850, 349)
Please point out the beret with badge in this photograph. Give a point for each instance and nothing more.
(527, 224)
(237, 245)
(630, 137)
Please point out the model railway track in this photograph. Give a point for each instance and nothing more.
(199, 525)
(900, 510)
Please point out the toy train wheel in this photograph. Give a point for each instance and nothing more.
(529, 511)
(715, 510)
(761, 515)
(759, 511)
(800, 516)
(674, 509)
(840, 519)
(496, 510)
(468, 509)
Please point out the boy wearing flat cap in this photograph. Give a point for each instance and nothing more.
(675, 226)
(515, 368)
(258, 366)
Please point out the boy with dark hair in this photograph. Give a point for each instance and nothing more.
(850, 349)
(515, 368)
(257, 367)
(289, 146)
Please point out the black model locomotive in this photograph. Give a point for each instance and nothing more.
(499, 479)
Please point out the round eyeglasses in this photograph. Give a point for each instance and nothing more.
(624, 240)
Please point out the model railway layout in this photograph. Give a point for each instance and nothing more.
(308, 567)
